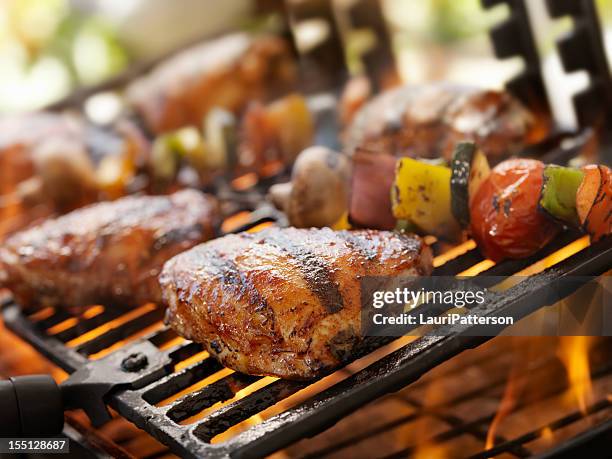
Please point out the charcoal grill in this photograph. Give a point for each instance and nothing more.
(156, 396)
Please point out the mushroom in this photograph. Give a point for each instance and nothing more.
(318, 192)
(66, 173)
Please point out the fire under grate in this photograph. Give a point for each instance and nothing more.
(449, 411)
(195, 401)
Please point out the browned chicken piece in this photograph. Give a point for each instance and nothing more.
(21, 135)
(283, 302)
(427, 121)
(108, 253)
(44, 167)
(228, 73)
(50, 159)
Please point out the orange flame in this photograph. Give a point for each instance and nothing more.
(548, 435)
(455, 252)
(244, 182)
(430, 451)
(425, 447)
(506, 406)
(574, 353)
(513, 390)
(235, 221)
(260, 227)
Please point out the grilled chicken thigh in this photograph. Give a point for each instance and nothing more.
(228, 72)
(283, 302)
(428, 121)
(106, 253)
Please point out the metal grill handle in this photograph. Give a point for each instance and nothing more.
(30, 406)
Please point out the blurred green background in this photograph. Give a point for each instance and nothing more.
(49, 47)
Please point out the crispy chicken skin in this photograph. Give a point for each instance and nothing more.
(106, 253)
(228, 72)
(427, 121)
(283, 302)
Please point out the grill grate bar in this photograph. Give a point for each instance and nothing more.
(535, 434)
(86, 325)
(162, 336)
(588, 444)
(241, 410)
(65, 358)
(56, 318)
(509, 446)
(176, 382)
(511, 267)
(474, 427)
(459, 264)
(116, 334)
(357, 438)
(220, 391)
(185, 350)
(508, 267)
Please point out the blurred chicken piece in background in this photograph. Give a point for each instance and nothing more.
(50, 47)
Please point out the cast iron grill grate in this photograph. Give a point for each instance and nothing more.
(459, 417)
(199, 400)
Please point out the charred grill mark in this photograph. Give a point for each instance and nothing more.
(507, 205)
(599, 199)
(101, 241)
(315, 271)
(343, 343)
(233, 280)
(216, 346)
(495, 203)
